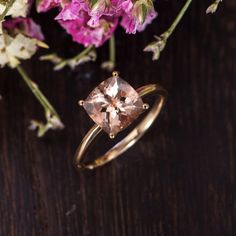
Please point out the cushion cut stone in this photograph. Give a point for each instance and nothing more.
(113, 105)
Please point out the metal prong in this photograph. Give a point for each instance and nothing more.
(145, 106)
(81, 103)
(115, 74)
(111, 136)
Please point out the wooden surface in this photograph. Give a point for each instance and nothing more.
(179, 180)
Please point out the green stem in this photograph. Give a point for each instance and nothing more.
(8, 6)
(36, 91)
(112, 50)
(178, 19)
(83, 53)
(64, 62)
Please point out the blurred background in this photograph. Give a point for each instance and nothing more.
(179, 180)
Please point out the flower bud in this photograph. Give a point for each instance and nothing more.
(141, 9)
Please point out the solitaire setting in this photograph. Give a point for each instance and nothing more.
(113, 105)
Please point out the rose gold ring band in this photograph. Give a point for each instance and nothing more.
(131, 138)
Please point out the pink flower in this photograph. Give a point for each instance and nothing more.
(25, 26)
(149, 18)
(93, 22)
(132, 24)
(127, 6)
(104, 8)
(86, 35)
(45, 5)
(72, 10)
(137, 15)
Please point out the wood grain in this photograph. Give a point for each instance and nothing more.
(178, 181)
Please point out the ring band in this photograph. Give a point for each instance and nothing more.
(130, 139)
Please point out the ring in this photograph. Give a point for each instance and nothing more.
(113, 105)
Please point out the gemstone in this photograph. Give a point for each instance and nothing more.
(113, 105)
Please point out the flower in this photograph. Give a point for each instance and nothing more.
(74, 17)
(25, 26)
(73, 11)
(20, 40)
(138, 15)
(86, 35)
(45, 5)
(19, 8)
(93, 22)
(14, 48)
(104, 8)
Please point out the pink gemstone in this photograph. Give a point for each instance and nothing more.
(113, 105)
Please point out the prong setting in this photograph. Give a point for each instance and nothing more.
(81, 103)
(113, 105)
(111, 136)
(145, 106)
(115, 74)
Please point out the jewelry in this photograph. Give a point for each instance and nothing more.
(113, 106)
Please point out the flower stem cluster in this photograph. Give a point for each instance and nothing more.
(88, 54)
(52, 118)
(157, 46)
(111, 63)
(20, 38)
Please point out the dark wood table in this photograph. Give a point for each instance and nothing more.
(178, 180)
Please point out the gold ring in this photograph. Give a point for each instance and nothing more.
(113, 105)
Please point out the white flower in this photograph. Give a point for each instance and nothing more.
(19, 8)
(13, 49)
(0, 27)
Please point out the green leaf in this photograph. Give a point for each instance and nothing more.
(143, 13)
(93, 2)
